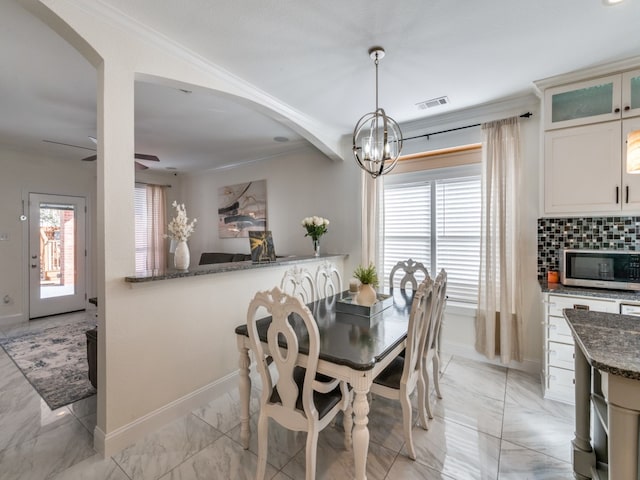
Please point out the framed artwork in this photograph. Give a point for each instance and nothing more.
(242, 209)
(262, 247)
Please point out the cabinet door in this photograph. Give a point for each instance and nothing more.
(630, 181)
(582, 169)
(582, 103)
(631, 93)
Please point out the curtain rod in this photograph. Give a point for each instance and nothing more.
(152, 184)
(524, 115)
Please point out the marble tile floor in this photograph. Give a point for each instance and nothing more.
(491, 424)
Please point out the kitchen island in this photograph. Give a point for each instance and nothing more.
(607, 376)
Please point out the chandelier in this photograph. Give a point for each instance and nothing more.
(377, 139)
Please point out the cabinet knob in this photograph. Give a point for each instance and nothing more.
(616, 110)
(627, 108)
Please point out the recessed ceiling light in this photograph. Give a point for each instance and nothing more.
(170, 168)
(609, 3)
(280, 139)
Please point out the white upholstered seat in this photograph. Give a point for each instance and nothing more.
(295, 399)
(399, 380)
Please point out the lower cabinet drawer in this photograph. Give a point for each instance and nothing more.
(559, 330)
(559, 385)
(557, 303)
(561, 355)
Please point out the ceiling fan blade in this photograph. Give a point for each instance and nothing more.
(140, 166)
(90, 158)
(69, 145)
(144, 156)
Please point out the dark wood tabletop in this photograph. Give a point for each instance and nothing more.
(352, 340)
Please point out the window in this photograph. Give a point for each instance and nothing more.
(150, 226)
(433, 216)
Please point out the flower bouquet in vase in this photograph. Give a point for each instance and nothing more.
(316, 227)
(180, 229)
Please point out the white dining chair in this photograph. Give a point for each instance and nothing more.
(328, 280)
(297, 281)
(297, 400)
(410, 268)
(431, 354)
(404, 375)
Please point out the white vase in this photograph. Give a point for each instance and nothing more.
(181, 256)
(367, 295)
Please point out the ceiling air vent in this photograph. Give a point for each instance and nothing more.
(434, 102)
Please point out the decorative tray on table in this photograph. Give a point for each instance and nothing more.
(348, 304)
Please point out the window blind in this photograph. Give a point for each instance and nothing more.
(142, 241)
(433, 217)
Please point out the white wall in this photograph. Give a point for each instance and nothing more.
(298, 185)
(23, 174)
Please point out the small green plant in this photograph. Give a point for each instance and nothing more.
(367, 275)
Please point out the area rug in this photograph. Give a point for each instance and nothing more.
(54, 361)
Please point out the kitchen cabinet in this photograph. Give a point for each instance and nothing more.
(585, 169)
(602, 99)
(558, 356)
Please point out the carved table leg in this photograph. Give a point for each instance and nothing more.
(245, 395)
(360, 430)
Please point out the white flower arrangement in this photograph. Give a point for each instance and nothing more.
(316, 227)
(179, 227)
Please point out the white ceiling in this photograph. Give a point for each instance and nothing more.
(309, 55)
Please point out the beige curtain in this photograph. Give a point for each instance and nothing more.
(370, 225)
(498, 321)
(156, 227)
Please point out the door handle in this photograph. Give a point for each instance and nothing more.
(617, 194)
(34, 265)
(627, 193)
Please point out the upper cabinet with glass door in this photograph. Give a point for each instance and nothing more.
(592, 101)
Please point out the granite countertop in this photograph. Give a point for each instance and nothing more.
(611, 342)
(558, 288)
(152, 276)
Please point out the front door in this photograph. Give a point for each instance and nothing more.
(56, 254)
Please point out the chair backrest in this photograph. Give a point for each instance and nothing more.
(290, 321)
(409, 267)
(328, 280)
(440, 300)
(297, 281)
(418, 327)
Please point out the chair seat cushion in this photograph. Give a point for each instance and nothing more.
(391, 376)
(324, 402)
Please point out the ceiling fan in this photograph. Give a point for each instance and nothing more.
(92, 158)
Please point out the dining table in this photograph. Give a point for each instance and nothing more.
(355, 346)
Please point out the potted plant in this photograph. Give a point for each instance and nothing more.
(368, 282)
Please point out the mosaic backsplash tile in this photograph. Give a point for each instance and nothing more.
(555, 234)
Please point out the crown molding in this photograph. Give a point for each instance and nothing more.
(588, 73)
(308, 127)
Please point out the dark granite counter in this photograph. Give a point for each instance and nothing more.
(153, 276)
(609, 341)
(558, 288)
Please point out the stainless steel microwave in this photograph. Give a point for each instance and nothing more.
(614, 269)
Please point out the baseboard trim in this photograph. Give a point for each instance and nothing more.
(467, 351)
(108, 444)
(10, 320)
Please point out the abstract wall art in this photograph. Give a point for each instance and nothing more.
(242, 209)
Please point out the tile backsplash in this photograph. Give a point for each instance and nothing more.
(554, 234)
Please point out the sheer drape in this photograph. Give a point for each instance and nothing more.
(370, 217)
(156, 227)
(498, 321)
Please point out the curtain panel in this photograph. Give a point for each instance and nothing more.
(499, 330)
(156, 227)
